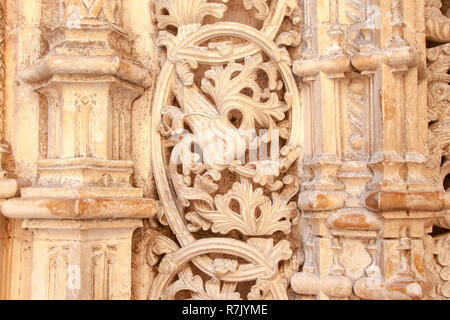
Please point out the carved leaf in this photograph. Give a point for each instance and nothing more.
(224, 266)
(261, 7)
(437, 25)
(184, 71)
(211, 290)
(294, 11)
(281, 251)
(182, 12)
(291, 38)
(197, 222)
(226, 86)
(260, 291)
(438, 79)
(256, 215)
(274, 254)
(164, 245)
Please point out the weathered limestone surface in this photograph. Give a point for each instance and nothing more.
(225, 149)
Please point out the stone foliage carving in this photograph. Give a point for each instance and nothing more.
(245, 88)
(297, 149)
(438, 116)
(210, 95)
(438, 106)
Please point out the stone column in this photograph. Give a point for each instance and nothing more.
(83, 209)
(363, 83)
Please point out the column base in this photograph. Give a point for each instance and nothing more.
(81, 260)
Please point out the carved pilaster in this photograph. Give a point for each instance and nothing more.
(83, 208)
(97, 266)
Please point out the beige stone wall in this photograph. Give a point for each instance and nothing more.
(134, 131)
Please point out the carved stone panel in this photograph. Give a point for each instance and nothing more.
(224, 149)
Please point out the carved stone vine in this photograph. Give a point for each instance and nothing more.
(438, 105)
(222, 112)
(299, 149)
(438, 30)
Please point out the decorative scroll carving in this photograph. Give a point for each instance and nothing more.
(438, 106)
(246, 104)
(438, 29)
(271, 217)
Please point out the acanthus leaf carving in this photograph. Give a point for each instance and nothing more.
(438, 102)
(256, 215)
(181, 12)
(212, 289)
(209, 133)
(227, 92)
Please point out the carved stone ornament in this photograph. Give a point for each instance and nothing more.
(225, 149)
(203, 207)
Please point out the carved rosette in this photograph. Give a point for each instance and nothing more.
(217, 103)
